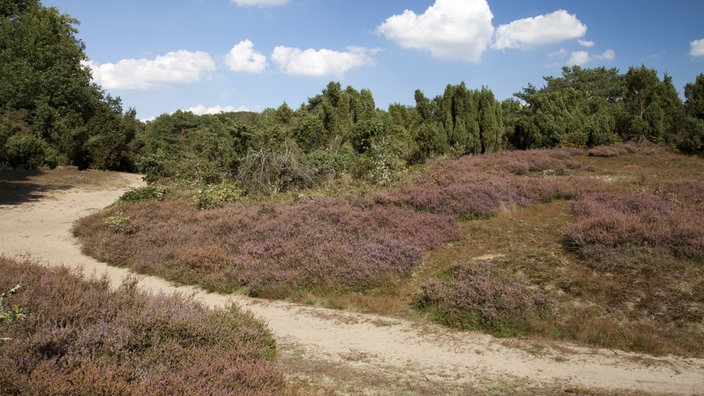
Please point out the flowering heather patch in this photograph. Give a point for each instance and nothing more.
(479, 295)
(689, 191)
(82, 338)
(612, 150)
(519, 163)
(273, 250)
(641, 219)
(481, 186)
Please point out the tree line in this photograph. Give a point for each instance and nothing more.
(51, 113)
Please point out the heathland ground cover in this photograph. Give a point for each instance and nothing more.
(66, 335)
(602, 247)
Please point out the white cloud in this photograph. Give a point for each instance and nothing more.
(697, 48)
(243, 58)
(259, 3)
(608, 55)
(173, 68)
(578, 58)
(450, 29)
(585, 43)
(202, 109)
(542, 29)
(321, 62)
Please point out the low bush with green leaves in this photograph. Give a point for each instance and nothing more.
(144, 193)
(214, 196)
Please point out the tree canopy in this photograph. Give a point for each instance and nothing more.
(50, 111)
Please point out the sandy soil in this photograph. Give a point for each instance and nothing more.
(380, 346)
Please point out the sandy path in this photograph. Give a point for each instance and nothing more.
(41, 229)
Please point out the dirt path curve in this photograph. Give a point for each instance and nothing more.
(356, 342)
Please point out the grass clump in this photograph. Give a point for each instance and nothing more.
(478, 295)
(80, 337)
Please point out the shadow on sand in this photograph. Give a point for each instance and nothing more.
(17, 187)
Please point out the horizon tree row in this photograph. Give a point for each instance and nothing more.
(51, 113)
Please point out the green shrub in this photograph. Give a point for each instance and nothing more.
(217, 195)
(25, 150)
(144, 194)
(16, 313)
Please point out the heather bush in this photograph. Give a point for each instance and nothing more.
(691, 192)
(479, 295)
(511, 162)
(642, 219)
(328, 244)
(478, 195)
(611, 150)
(80, 337)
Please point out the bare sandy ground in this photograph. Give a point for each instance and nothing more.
(361, 343)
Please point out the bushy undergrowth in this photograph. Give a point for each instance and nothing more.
(144, 193)
(214, 196)
(81, 338)
(643, 220)
(478, 295)
(273, 250)
(481, 186)
(323, 244)
(612, 150)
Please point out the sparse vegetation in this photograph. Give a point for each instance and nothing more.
(82, 338)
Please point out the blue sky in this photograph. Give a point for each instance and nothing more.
(160, 56)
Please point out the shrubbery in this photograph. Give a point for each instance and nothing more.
(316, 244)
(478, 295)
(643, 219)
(25, 150)
(144, 194)
(82, 338)
(214, 196)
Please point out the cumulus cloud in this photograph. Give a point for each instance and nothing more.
(696, 48)
(578, 58)
(585, 43)
(259, 3)
(450, 29)
(542, 29)
(173, 68)
(323, 62)
(607, 55)
(202, 109)
(243, 58)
